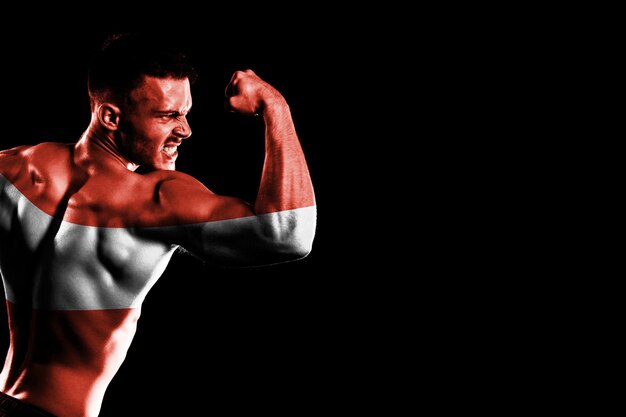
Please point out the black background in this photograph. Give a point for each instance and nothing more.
(268, 338)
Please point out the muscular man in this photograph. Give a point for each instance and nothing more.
(83, 237)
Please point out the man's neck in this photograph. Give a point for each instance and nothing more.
(99, 148)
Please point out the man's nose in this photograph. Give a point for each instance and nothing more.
(182, 130)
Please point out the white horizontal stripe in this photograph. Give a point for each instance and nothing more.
(75, 267)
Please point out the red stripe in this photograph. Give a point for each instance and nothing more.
(64, 360)
(46, 176)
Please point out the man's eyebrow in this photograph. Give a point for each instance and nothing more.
(170, 111)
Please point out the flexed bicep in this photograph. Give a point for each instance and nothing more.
(253, 240)
(226, 231)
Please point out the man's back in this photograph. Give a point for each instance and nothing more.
(75, 273)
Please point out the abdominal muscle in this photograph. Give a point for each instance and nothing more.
(64, 361)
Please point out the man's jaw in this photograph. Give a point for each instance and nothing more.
(170, 153)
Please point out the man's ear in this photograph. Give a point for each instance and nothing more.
(109, 116)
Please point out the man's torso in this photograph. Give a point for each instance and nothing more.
(75, 273)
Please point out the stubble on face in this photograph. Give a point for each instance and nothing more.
(141, 150)
(147, 136)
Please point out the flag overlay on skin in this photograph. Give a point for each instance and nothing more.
(74, 288)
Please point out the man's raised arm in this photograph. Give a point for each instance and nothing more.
(282, 224)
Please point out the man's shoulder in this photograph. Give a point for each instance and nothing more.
(43, 147)
(48, 152)
(37, 156)
(170, 181)
(182, 198)
(176, 185)
(12, 159)
(45, 151)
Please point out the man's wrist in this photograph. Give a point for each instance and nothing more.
(274, 105)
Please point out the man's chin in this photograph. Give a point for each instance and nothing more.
(168, 162)
(169, 165)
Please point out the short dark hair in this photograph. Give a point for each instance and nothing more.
(124, 59)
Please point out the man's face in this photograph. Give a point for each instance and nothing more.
(155, 122)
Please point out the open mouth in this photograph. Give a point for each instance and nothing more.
(170, 150)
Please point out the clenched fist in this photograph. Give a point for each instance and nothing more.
(248, 94)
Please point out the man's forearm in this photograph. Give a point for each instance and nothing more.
(285, 182)
(285, 224)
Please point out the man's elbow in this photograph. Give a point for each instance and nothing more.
(300, 249)
(298, 245)
(293, 235)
